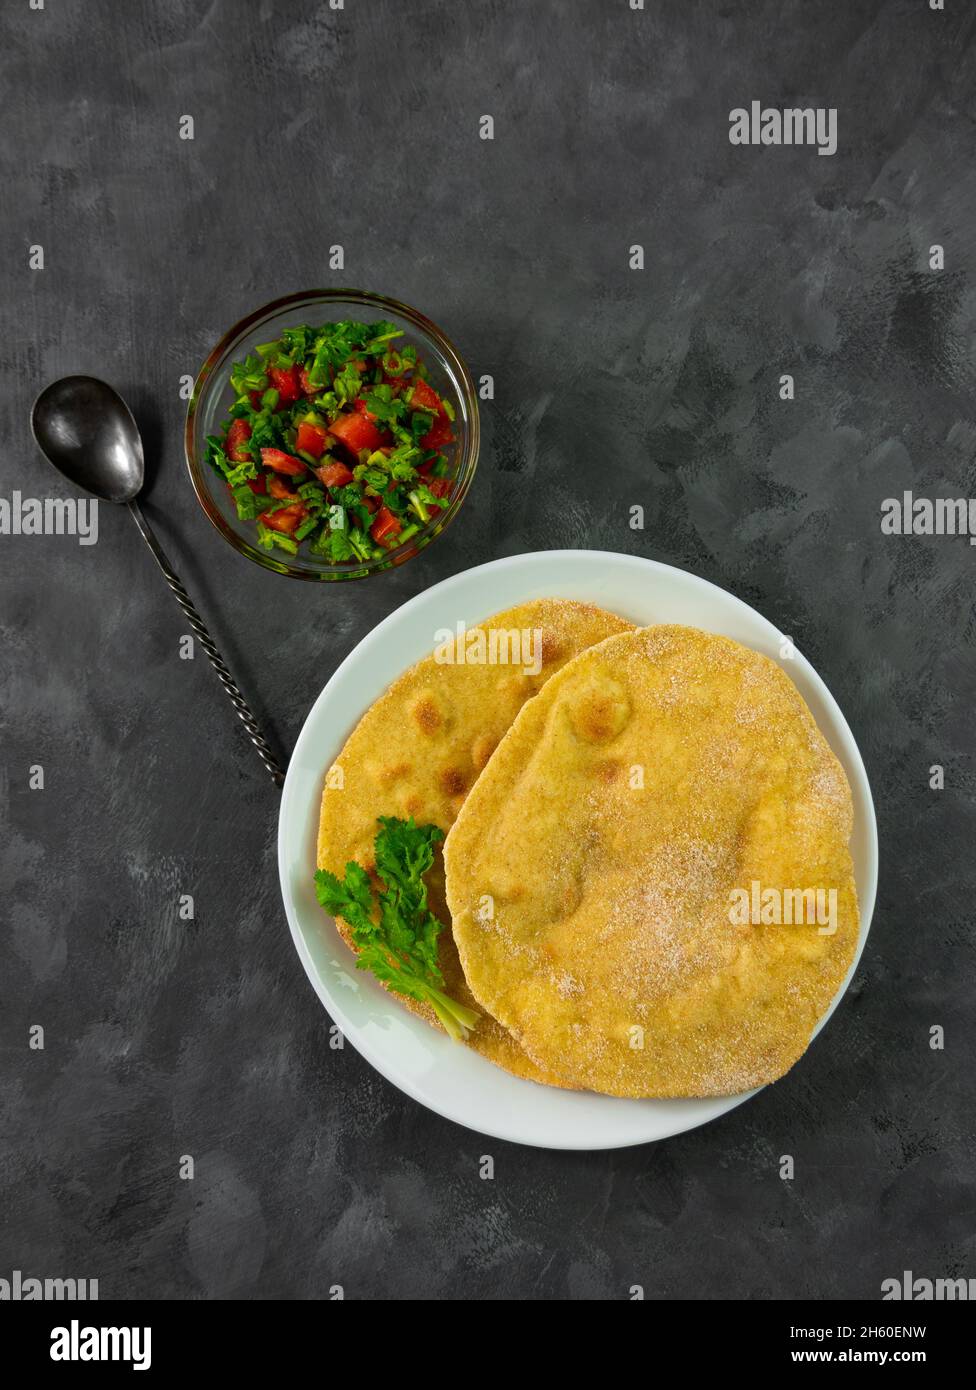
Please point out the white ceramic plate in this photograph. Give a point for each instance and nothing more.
(447, 1077)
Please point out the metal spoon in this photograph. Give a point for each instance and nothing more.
(86, 430)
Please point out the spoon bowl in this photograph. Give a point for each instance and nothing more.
(86, 430)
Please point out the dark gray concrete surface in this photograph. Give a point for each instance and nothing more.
(613, 387)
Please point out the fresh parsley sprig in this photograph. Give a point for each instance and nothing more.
(396, 934)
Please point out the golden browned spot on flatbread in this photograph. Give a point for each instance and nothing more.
(607, 770)
(417, 751)
(612, 952)
(552, 646)
(393, 772)
(427, 715)
(481, 750)
(452, 781)
(599, 710)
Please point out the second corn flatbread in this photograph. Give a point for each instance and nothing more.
(419, 749)
(597, 870)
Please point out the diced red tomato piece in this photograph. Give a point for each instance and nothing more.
(288, 519)
(425, 397)
(440, 487)
(256, 398)
(277, 487)
(287, 382)
(334, 474)
(305, 382)
(311, 438)
(385, 527)
(360, 405)
(257, 484)
(237, 437)
(282, 462)
(397, 382)
(439, 434)
(355, 432)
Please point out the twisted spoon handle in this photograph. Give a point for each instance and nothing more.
(208, 645)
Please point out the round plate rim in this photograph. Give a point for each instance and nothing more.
(540, 561)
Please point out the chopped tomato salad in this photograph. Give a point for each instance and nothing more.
(336, 439)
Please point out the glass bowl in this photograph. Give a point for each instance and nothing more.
(212, 396)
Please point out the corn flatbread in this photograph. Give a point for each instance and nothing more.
(590, 873)
(418, 750)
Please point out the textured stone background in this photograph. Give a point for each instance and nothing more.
(613, 387)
